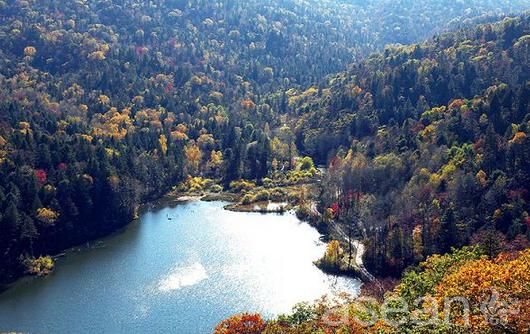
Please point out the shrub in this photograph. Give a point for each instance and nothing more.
(242, 185)
(41, 266)
(268, 183)
(278, 194)
(262, 195)
(216, 188)
(303, 212)
(247, 199)
(306, 163)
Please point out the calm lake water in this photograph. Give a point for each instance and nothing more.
(180, 275)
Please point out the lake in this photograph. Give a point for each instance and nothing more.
(179, 269)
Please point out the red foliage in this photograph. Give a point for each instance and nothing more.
(416, 128)
(519, 193)
(41, 176)
(141, 50)
(169, 87)
(335, 208)
(62, 166)
(456, 104)
(241, 324)
(478, 145)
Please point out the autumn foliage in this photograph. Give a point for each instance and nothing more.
(241, 324)
(497, 291)
(502, 283)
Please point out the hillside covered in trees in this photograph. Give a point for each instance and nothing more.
(427, 150)
(420, 304)
(107, 104)
(427, 144)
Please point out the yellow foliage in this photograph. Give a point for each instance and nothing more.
(310, 92)
(182, 128)
(417, 241)
(177, 135)
(47, 216)
(205, 140)
(86, 137)
(216, 160)
(456, 104)
(97, 55)
(111, 152)
(506, 278)
(482, 178)
(216, 96)
(333, 252)
(242, 185)
(448, 170)
(3, 142)
(163, 144)
(497, 214)
(195, 184)
(24, 127)
(193, 157)
(41, 266)
(74, 91)
(435, 179)
(138, 99)
(428, 133)
(104, 99)
(113, 124)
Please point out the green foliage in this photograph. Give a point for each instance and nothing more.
(417, 283)
(306, 164)
(440, 160)
(242, 185)
(262, 195)
(103, 109)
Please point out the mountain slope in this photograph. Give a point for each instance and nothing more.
(427, 144)
(104, 104)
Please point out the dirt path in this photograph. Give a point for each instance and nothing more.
(358, 249)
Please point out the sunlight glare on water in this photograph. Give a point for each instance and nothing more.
(182, 275)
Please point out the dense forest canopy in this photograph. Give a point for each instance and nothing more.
(107, 104)
(428, 144)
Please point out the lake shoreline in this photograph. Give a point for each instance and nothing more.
(177, 248)
(173, 198)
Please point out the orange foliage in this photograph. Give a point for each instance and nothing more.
(248, 104)
(456, 104)
(30, 51)
(500, 288)
(518, 138)
(241, 324)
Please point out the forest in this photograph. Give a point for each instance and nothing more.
(427, 145)
(419, 113)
